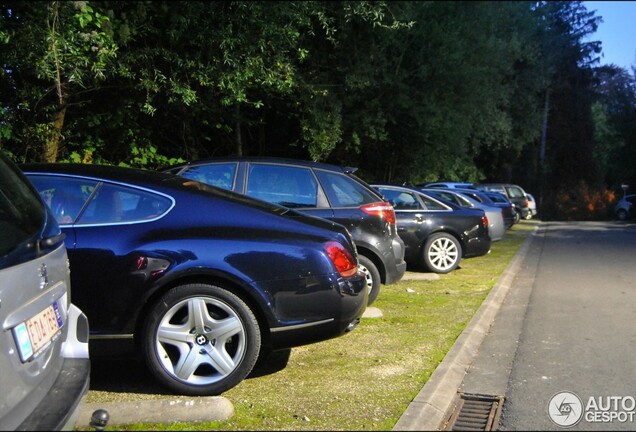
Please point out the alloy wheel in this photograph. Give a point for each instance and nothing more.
(200, 340)
(443, 254)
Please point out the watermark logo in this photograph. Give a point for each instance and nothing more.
(565, 409)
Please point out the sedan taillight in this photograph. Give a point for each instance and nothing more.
(382, 209)
(343, 260)
(484, 220)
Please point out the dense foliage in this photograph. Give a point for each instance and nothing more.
(406, 91)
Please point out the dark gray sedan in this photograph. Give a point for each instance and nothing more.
(436, 234)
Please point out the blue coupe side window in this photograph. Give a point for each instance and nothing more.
(116, 204)
(65, 196)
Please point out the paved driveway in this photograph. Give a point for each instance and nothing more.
(561, 349)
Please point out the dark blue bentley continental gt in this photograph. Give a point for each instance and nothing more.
(201, 279)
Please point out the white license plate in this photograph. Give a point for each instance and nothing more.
(33, 335)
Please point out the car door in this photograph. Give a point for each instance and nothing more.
(413, 218)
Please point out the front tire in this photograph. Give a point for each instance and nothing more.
(200, 340)
(442, 253)
(372, 276)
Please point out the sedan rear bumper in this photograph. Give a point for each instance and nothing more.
(60, 408)
(477, 246)
(334, 313)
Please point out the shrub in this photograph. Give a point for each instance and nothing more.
(583, 202)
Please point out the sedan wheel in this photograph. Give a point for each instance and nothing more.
(622, 215)
(372, 276)
(442, 253)
(201, 340)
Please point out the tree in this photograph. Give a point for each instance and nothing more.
(53, 54)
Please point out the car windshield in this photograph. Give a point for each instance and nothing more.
(498, 198)
(514, 192)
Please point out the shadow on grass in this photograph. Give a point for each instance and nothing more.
(123, 375)
(127, 374)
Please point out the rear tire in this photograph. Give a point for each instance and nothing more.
(442, 253)
(372, 276)
(200, 340)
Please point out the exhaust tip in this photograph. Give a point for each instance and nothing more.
(353, 324)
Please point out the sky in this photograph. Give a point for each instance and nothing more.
(617, 32)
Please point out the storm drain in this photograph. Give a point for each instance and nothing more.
(475, 412)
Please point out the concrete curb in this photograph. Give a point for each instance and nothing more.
(194, 409)
(420, 276)
(432, 405)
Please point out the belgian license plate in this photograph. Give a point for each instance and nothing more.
(33, 335)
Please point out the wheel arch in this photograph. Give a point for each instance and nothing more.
(224, 281)
(448, 231)
(375, 259)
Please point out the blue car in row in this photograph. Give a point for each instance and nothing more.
(200, 281)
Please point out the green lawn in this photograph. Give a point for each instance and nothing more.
(366, 379)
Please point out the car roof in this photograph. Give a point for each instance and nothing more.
(270, 159)
(465, 185)
(500, 185)
(159, 181)
(456, 192)
(106, 172)
(418, 190)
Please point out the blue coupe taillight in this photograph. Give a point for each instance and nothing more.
(343, 260)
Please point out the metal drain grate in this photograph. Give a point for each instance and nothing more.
(475, 412)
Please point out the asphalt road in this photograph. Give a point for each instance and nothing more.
(561, 349)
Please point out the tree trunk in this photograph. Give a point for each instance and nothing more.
(239, 139)
(53, 143)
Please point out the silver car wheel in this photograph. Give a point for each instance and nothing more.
(443, 254)
(200, 340)
(371, 276)
(367, 277)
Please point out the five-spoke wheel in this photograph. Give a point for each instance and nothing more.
(201, 340)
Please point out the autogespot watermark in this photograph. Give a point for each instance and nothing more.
(567, 409)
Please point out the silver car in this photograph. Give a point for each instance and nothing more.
(496, 225)
(44, 361)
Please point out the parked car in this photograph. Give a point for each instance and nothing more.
(496, 226)
(532, 206)
(436, 235)
(625, 208)
(44, 354)
(449, 185)
(510, 213)
(482, 197)
(317, 189)
(200, 279)
(515, 193)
